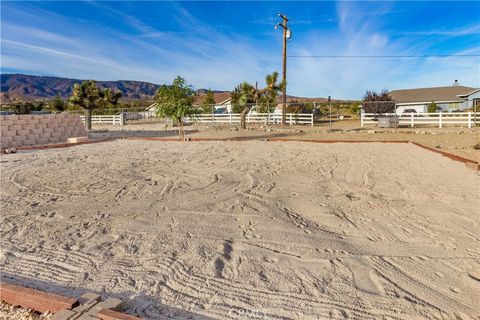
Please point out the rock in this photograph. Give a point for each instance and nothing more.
(371, 131)
(477, 146)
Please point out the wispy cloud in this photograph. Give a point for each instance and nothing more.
(206, 57)
(359, 36)
(475, 30)
(123, 44)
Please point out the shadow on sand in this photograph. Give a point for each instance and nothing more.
(134, 303)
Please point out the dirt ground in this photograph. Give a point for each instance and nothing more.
(456, 140)
(8, 312)
(250, 229)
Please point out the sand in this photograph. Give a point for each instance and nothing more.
(455, 140)
(242, 230)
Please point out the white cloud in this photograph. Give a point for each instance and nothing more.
(351, 77)
(208, 58)
(453, 33)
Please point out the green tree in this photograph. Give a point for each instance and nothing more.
(58, 104)
(89, 97)
(242, 96)
(432, 107)
(175, 102)
(25, 107)
(245, 94)
(209, 102)
(267, 98)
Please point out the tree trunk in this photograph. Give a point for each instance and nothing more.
(181, 132)
(88, 119)
(243, 115)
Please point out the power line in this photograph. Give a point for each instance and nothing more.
(389, 56)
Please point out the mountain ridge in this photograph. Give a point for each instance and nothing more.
(16, 87)
(30, 87)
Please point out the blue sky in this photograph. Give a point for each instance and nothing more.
(219, 44)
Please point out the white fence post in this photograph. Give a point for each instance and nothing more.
(361, 119)
(230, 118)
(290, 119)
(440, 120)
(411, 120)
(311, 117)
(469, 119)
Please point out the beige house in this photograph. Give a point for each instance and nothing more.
(447, 98)
(223, 101)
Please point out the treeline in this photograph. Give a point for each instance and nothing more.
(59, 105)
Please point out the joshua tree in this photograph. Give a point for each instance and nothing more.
(245, 94)
(88, 97)
(175, 102)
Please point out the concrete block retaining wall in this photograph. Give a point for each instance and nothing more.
(39, 129)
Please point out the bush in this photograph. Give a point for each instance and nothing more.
(432, 107)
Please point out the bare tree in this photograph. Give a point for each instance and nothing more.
(378, 103)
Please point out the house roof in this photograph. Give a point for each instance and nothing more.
(220, 98)
(450, 93)
(468, 94)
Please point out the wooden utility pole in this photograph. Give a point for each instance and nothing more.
(330, 108)
(286, 35)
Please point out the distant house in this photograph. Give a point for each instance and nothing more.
(471, 99)
(448, 99)
(223, 101)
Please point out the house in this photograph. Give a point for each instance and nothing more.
(471, 100)
(223, 101)
(448, 99)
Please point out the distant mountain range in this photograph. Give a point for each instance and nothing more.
(21, 87)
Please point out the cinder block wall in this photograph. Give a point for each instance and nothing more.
(39, 129)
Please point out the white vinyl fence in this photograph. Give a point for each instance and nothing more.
(265, 118)
(438, 119)
(116, 119)
(230, 118)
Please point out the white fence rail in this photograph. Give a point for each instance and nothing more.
(265, 118)
(230, 118)
(116, 119)
(438, 119)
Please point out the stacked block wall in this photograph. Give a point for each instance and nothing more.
(39, 129)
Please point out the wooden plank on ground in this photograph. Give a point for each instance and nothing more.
(107, 314)
(34, 299)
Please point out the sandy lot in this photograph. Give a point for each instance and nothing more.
(455, 140)
(242, 230)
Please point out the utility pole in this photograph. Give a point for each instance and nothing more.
(330, 108)
(286, 35)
